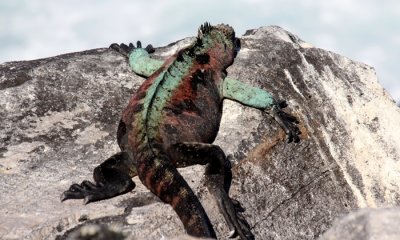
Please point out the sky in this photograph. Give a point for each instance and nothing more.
(363, 30)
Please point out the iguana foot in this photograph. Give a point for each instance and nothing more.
(218, 181)
(127, 49)
(231, 210)
(287, 122)
(112, 178)
(91, 192)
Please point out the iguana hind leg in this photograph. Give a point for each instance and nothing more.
(218, 181)
(162, 178)
(112, 178)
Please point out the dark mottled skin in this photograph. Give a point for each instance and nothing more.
(171, 122)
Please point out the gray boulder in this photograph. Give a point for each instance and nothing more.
(367, 224)
(59, 116)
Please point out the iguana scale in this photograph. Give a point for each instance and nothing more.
(172, 121)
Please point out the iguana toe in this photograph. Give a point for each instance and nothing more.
(127, 49)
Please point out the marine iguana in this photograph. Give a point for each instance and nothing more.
(171, 122)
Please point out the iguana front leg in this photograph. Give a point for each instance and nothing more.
(218, 181)
(260, 99)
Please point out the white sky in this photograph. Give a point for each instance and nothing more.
(364, 30)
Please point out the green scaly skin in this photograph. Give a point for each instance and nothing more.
(172, 121)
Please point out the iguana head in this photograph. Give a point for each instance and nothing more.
(219, 42)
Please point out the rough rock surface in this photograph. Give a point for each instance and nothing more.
(367, 224)
(59, 116)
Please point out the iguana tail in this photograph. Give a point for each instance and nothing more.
(162, 178)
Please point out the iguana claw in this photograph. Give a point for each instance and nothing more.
(127, 49)
(232, 234)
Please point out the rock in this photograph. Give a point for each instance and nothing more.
(96, 232)
(348, 158)
(364, 224)
(59, 118)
